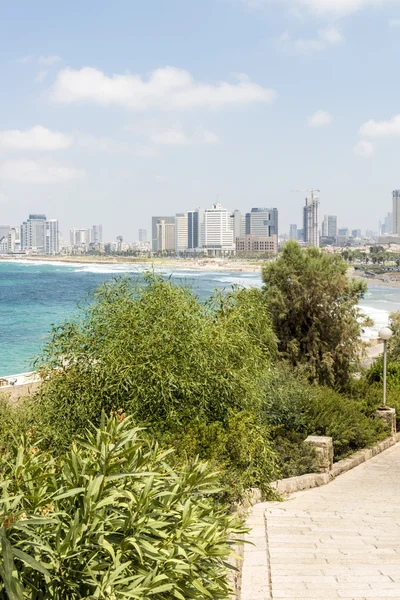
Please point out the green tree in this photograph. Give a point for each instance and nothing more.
(315, 314)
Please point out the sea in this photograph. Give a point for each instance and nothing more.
(35, 295)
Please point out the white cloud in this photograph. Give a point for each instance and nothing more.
(177, 137)
(104, 144)
(364, 149)
(48, 61)
(330, 7)
(326, 38)
(36, 138)
(320, 119)
(389, 128)
(166, 88)
(394, 22)
(37, 172)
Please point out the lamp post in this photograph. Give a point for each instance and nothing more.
(385, 334)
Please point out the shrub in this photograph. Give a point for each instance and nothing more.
(110, 520)
(152, 349)
(292, 404)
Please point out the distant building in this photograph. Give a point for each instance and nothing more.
(329, 226)
(396, 211)
(343, 235)
(181, 233)
(254, 244)
(311, 221)
(52, 237)
(238, 224)
(356, 233)
(14, 239)
(154, 238)
(80, 238)
(387, 226)
(143, 236)
(216, 232)
(262, 222)
(97, 235)
(293, 232)
(165, 236)
(3, 244)
(195, 229)
(371, 235)
(33, 233)
(300, 235)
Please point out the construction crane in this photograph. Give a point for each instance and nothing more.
(312, 192)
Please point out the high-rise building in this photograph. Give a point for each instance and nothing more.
(165, 233)
(181, 233)
(80, 237)
(238, 224)
(356, 233)
(217, 233)
(387, 226)
(262, 222)
(396, 211)
(33, 233)
(293, 232)
(154, 222)
(329, 226)
(97, 234)
(311, 221)
(14, 239)
(195, 229)
(52, 237)
(143, 236)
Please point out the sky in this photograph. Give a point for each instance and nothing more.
(111, 112)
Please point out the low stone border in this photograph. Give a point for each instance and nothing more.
(311, 480)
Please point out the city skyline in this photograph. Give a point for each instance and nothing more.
(234, 101)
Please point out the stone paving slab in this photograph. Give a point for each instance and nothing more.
(339, 541)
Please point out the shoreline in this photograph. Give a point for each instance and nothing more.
(374, 281)
(198, 264)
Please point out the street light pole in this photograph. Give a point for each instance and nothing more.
(385, 334)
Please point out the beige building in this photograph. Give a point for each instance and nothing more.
(165, 236)
(256, 244)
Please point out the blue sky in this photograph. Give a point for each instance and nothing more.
(113, 112)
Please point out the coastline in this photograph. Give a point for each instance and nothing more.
(375, 281)
(198, 264)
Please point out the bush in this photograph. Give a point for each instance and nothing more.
(110, 520)
(241, 452)
(152, 349)
(294, 405)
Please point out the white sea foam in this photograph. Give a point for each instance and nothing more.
(380, 318)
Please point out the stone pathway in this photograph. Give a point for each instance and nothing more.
(338, 541)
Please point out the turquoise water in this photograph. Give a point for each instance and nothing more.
(36, 295)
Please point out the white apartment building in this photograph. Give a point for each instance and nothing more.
(52, 237)
(181, 233)
(218, 236)
(80, 237)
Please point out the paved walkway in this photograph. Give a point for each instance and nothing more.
(338, 541)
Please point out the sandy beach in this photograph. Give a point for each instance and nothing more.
(199, 264)
(387, 280)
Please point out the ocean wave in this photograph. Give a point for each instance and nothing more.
(380, 318)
